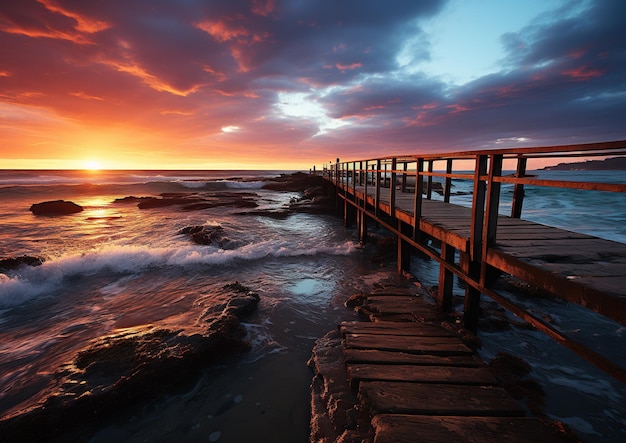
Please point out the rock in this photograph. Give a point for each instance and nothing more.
(131, 199)
(296, 182)
(119, 369)
(56, 207)
(11, 263)
(334, 406)
(195, 201)
(207, 235)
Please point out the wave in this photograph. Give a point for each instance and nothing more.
(220, 184)
(41, 281)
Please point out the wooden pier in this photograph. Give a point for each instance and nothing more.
(411, 379)
(478, 244)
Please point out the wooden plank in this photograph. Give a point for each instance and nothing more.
(399, 304)
(394, 328)
(398, 428)
(423, 345)
(399, 357)
(435, 399)
(421, 374)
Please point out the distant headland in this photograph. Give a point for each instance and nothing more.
(613, 163)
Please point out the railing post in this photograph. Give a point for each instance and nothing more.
(354, 181)
(448, 183)
(473, 264)
(365, 186)
(392, 188)
(518, 189)
(404, 168)
(429, 188)
(361, 173)
(417, 199)
(377, 197)
(490, 224)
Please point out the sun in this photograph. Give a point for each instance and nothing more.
(92, 165)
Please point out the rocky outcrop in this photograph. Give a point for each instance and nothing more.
(335, 416)
(207, 235)
(118, 369)
(55, 207)
(197, 201)
(8, 264)
(296, 182)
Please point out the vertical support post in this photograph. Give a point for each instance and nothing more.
(448, 184)
(429, 188)
(362, 227)
(377, 198)
(446, 278)
(392, 188)
(404, 169)
(490, 224)
(365, 185)
(518, 189)
(404, 250)
(417, 202)
(361, 173)
(472, 296)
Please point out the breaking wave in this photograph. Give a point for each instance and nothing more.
(32, 282)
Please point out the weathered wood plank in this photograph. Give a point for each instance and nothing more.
(435, 399)
(399, 357)
(398, 428)
(421, 374)
(394, 328)
(397, 304)
(423, 345)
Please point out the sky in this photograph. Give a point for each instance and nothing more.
(292, 84)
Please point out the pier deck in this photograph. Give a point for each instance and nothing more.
(580, 268)
(417, 381)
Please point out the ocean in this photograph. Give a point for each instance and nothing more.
(114, 266)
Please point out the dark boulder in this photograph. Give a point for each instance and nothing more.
(7, 264)
(55, 207)
(206, 235)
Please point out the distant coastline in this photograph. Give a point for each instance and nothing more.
(609, 164)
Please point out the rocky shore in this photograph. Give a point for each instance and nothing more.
(123, 368)
(131, 365)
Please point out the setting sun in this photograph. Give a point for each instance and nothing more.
(92, 165)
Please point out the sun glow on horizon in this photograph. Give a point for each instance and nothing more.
(92, 165)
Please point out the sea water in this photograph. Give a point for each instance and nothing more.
(115, 266)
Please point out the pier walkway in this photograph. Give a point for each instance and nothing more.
(415, 380)
(478, 244)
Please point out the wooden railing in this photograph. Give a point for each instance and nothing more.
(372, 188)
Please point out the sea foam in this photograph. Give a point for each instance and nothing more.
(31, 282)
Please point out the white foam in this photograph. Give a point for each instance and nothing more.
(31, 282)
(232, 184)
(193, 184)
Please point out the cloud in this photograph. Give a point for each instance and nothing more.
(308, 77)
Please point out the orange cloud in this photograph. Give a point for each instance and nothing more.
(222, 31)
(149, 79)
(84, 96)
(83, 24)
